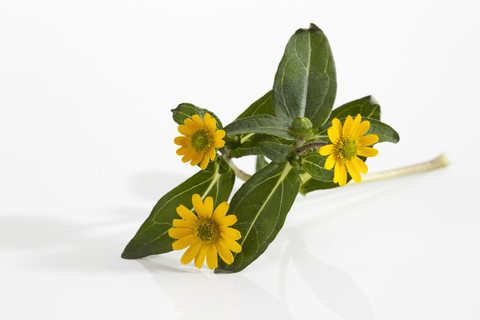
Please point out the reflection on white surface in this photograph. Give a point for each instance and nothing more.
(338, 254)
(202, 295)
(238, 297)
(332, 286)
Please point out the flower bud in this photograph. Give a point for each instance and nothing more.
(302, 127)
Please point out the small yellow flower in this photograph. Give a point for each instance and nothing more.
(199, 140)
(206, 233)
(348, 143)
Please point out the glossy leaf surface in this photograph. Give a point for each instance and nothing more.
(305, 83)
(261, 206)
(152, 237)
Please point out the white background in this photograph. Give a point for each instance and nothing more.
(86, 149)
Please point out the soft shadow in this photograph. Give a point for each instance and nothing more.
(333, 287)
(201, 295)
(152, 185)
(62, 244)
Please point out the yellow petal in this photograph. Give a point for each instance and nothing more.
(219, 134)
(367, 152)
(196, 158)
(200, 257)
(336, 171)
(340, 175)
(181, 151)
(180, 223)
(204, 162)
(182, 141)
(227, 221)
(212, 260)
(209, 123)
(224, 253)
(353, 172)
(198, 206)
(347, 126)
(187, 157)
(330, 162)
(326, 150)
(208, 205)
(185, 213)
(198, 122)
(218, 143)
(231, 233)
(184, 242)
(232, 245)
(363, 128)
(189, 124)
(207, 117)
(367, 140)
(212, 153)
(220, 211)
(218, 139)
(355, 125)
(185, 130)
(191, 252)
(178, 233)
(359, 165)
(335, 131)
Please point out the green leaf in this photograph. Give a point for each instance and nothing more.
(263, 123)
(384, 132)
(310, 184)
(260, 163)
(261, 106)
(367, 107)
(305, 83)
(187, 110)
(261, 206)
(250, 145)
(277, 152)
(152, 237)
(314, 164)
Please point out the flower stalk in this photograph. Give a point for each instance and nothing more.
(439, 162)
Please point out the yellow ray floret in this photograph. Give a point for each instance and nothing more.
(348, 142)
(200, 140)
(206, 233)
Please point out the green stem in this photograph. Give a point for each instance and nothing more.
(313, 145)
(238, 172)
(436, 163)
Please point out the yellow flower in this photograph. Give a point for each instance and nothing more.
(199, 140)
(206, 233)
(348, 143)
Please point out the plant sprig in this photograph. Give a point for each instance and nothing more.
(295, 128)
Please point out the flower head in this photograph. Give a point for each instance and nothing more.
(206, 233)
(199, 140)
(348, 143)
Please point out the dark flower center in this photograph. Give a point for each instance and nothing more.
(348, 149)
(208, 230)
(202, 140)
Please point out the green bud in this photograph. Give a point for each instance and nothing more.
(302, 127)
